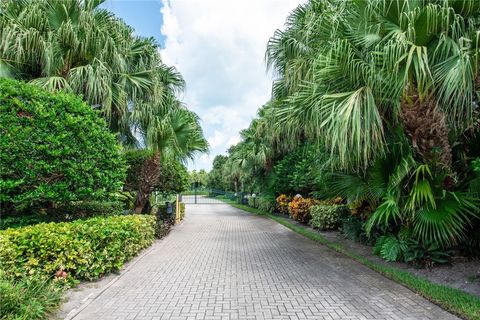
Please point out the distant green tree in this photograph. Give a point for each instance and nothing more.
(198, 178)
(215, 178)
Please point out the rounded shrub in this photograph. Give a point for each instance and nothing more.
(54, 149)
(299, 208)
(325, 217)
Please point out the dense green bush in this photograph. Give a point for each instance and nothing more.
(85, 209)
(296, 172)
(68, 212)
(164, 220)
(18, 221)
(263, 203)
(163, 227)
(28, 297)
(266, 204)
(352, 228)
(161, 210)
(252, 202)
(134, 159)
(54, 149)
(326, 217)
(83, 249)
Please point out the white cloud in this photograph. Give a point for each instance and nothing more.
(219, 48)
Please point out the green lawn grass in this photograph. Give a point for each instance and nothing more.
(463, 304)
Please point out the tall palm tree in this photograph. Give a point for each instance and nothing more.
(75, 46)
(171, 132)
(350, 70)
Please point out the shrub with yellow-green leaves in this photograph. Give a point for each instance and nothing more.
(83, 249)
(327, 217)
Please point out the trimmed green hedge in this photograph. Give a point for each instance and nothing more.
(54, 149)
(264, 203)
(83, 249)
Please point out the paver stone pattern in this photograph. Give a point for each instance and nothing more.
(222, 263)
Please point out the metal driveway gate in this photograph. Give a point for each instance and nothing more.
(206, 196)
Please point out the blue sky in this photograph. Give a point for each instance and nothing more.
(219, 47)
(143, 15)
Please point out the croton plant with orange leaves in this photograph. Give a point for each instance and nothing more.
(299, 208)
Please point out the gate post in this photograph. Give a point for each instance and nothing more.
(195, 192)
(177, 210)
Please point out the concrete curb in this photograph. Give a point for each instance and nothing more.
(88, 299)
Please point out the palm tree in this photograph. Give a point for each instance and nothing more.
(171, 131)
(75, 46)
(348, 71)
(365, 78)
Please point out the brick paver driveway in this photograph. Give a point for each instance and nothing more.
(222, 263)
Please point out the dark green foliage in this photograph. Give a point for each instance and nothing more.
(83, 249)
(216, 178)
(390, 248)
(163, 227)
(85, 209)
(476, 165)
(28, 297)
(165, 221)
(474, 183)
(352, 228)
(54, 149)
(252, 202)
(425, 255)
(470, 246)
(18, 221)
(266, 203)
(173, 175)
(68, 212)
(296, 172)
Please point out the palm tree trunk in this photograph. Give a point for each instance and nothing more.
(148, 181)
(426, 125)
